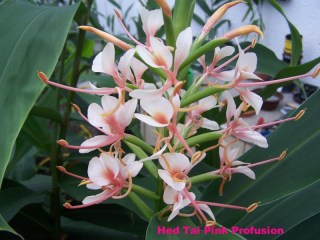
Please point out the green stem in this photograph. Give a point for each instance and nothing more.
(202, 138)
(138, 142)
(203, 178)
(208, 91)
(142, 206)
(145, 192)
(200, 51)
(150, 166)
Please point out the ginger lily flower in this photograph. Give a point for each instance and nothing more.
(239, 128)
(174, 173)
(104, 62)
(111, 119)
(109, 174)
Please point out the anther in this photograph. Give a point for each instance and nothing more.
(67, 205)
(282, 155)
(43, 77)
(316, 72)
(84, 182)
(60, 168)
(299, 115)
(210, 223)
(63, 143)
(254, 42)
(76, 107)
(252, 207)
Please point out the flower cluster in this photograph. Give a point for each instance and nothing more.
(175, 113)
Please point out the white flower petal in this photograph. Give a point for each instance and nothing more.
(160, 109)
(209, 124)
(108, 103)
(162, 56)
(150, 121)
(227, 76)
(93, 186)
(97, 172)
(125, 62)
(178, 162)
(170, 195)
(207, 210)
(149, 94)
(151, 21)
(223, 52)
(125, 113)
(207, 103)
(104, 61)
(183, 44)
(155, 155)
(247, 62)
(112, 164)
(94, 115)
(100, 140)
(134, 168)
(96, 198)
(245, 170)
(231, 107)
(253, 100)
(167, 178)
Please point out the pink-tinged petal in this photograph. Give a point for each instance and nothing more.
(134, 168)
(161, 54)
(161, 109)
(167, 178)
(150, 121)
(129, 158)
(207, 210)
(151, 21)
(104, 61)
(183, 44)
(244, 170)
(249, 75)
(147, 56)
(231, 107)
(252, 137)
(96, 199)
(202, 61)
(97, 172)
(108, 103)
(94, 115)
(151, 94)
(178, 162)
(98, 141)
(253, 100)
(232, 153)
(237, 163)
(125, 62)
(207, 103)
(125, 113)
(112, 164)
(155, 155)
(209, 124)
(138, 68)
(247, 62)
(170, 195)
(223, 52)
(93, 186)
(175, 212)
(227, 76)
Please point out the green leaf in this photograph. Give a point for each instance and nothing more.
(182, 15)
(279, 179)
(33, 41)
(285, 213)
(295, 36)
(6, 232)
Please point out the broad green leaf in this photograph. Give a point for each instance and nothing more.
(285, 213)
(279, 179)
(6, 232)
(34, 40)
(184, 228)
(295, 36)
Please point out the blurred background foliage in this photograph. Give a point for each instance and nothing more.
(42, 35)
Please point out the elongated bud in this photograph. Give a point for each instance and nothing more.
(316, 72)
(165, 7)
(108, 37)
(76, 107)
(216, 16)
(244, 30)
(67, 205)
(62, 143)
(61, 169)
(282, 155)
(252, 207)
(118, 14)
(43, 77)
(299, 115)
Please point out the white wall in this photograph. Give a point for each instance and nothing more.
(304, 14)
